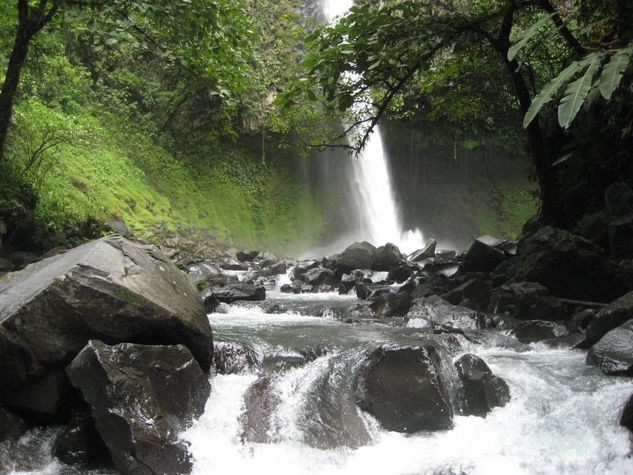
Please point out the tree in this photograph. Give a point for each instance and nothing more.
(366, 62)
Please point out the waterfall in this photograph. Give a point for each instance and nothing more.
(379, 220)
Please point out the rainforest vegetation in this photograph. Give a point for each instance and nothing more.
(201, 114)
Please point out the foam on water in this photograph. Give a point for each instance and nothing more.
(562, 420)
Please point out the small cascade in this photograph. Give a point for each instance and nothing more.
(379, 220)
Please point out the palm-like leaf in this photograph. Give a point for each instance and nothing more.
(527, 36)
(577, 91)
(613, 72)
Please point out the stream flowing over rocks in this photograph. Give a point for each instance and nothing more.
(367, 361)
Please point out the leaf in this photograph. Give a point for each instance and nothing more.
(549, 91)
(613, 72)
(527, 36)
(577, 92)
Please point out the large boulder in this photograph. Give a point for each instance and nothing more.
(481, 257)
(483, 391)
(570, 267)
(141, 397)
(405, 389)
(110, 289)
(320, 276)
(612, 316)
(425, 253)
(436, 313)
(260, 401)
(360, 255)
(475, 292)
(621, 237)
(233, 358)
(235, 292)
(532, 331)
(387, 257)
(526, 301)
(613, 354)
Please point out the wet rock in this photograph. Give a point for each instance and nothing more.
(266, 259)
(20, 259)
(386, 258)
(311, 353)
(532, 331)
(390, 304)
(618, 198)
(404, 389)
(300, 269)
(235, 292)
(483, 391)
(111, 289)
(81, 444)
(435, 313)
(621, 237)
(141, 397)
(283, 360)
(435, 284)
(401, 273)
(347, 283)
(46, 399)
(360, 255)
(427, 252)
(259, 404)
(12, 427)
(366, 291)
(613, 354)
(246, 256)
(612, 316)
(481, 257)
(526, 301)
(570, 266)
(360, 311)
(288, 289)
(232, 264)
(476, 291)
(320, 276)
(209, 301)
(594, 227)
(6, 265)
(232, 358)
(626, 419)
(580, 321)
(445, 256)
(566, 341)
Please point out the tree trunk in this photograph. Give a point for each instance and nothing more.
(11, 81)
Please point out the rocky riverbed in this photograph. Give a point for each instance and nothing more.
(107, 355)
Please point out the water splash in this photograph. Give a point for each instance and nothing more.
(375, 202)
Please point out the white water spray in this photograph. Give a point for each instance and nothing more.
(379, 219)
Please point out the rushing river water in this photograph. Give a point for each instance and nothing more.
(562, 418)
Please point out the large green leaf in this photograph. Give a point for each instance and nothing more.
(613, 72)
(577, 91)
(527, 36)
(549, 91)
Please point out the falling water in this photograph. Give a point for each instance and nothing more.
(375, 202)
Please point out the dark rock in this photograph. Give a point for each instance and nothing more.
(387, 257)
(626, 420)
(232, 358)
(140, 398)
(209, 301)
(266, 259)
(401, 273)
(347, 283)
(12, 427)
(320, 276)
(445, 256)
(475, 290)
(532, 331)
(300, 269)
(570, 266)
(360, 311)
(235, 292)
(367, 291)
(110, 289)
(80, 443)
(566, 341)
(435, 284)
(404, 389)
(22, 258)
(283, 360)
(483, 391)
(621, 237)
(246, 256)
(481, 257)
(312, 353)
(288, 289)
(118, 226)
(232, 264)
(435, 313)
(360, 255)
(6, 265)
(427, 252)
(618, 198)
(259, 404)
(612, 316)
(526, 301)
(391, 304)
(613, 354)
(579, 321)
(594, 227)
(47, 399)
